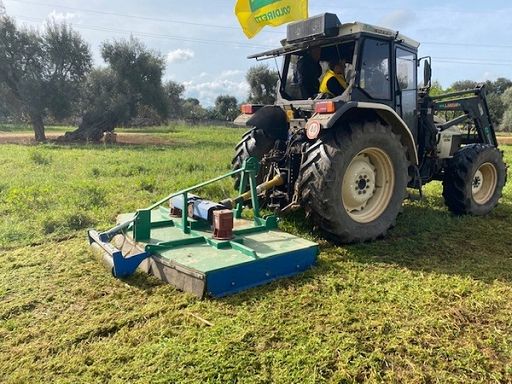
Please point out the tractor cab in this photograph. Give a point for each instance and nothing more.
(380, 64)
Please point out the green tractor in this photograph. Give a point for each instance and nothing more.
(349, 159)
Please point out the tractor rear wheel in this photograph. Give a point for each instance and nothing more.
(353, 181)
(474, 179)
(254, 143)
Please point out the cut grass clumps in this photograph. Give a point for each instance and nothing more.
(28, 198)
(40, 158)
(431, 302)
(66, 222)
(89, 196)
(147, 184)
(78, 220)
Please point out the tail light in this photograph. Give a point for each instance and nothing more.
(248, 109)
(325, 107)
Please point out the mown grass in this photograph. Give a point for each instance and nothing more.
(429, 303)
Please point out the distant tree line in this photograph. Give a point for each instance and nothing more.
(48, 76)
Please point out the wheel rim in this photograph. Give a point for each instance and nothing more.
(483, 184)
(368, 185)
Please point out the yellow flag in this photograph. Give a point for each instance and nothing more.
(253, 15)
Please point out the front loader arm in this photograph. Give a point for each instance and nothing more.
(473, 104)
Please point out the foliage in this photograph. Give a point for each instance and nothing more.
(263, 83)
(499, 86)
(174, 92)
(431, 302)
(506, 98)
(496, 108)
(41, 73)
(10, 108)
(436, 89)
(494, 89)
(139, 73)
(226, 108)
(112, 96)
(462, 85)
(192, 111)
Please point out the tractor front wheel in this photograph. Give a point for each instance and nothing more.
(354, 180)
(474, 179)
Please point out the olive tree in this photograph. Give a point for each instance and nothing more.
(263, 83)
(112, 96)
(226, 107)
(41, 73)
(506, 98)
(174, 93)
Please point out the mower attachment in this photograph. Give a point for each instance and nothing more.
(188, 245)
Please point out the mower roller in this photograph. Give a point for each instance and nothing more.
(203, 247)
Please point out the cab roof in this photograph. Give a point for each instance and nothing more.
(344, 30)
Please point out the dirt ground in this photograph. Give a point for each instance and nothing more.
(128, 138)
(505, 140)
(122, 138)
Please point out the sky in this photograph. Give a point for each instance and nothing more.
(207, 52)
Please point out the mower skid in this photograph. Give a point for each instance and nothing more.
(112, 257)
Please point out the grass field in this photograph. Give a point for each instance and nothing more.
(430, 303)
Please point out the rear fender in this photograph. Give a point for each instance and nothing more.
(271, 119)
(385, 112)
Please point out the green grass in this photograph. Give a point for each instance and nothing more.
(26, 128)
(432, 302)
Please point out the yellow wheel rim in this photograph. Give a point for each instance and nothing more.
(368, 185)
(484, 183)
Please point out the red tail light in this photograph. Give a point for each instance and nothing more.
(248, 109)
(325, 107)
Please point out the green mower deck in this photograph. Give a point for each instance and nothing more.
(183, 251)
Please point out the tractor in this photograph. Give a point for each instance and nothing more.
(348, 160)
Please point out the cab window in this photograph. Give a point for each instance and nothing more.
(374, 74)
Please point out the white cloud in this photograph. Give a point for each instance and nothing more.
(488, 76)
(180, 55)
(61, 17)
(208, 91)
(398, 19)
(231, 73)
(2, 10)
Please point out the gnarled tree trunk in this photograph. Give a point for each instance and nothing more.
(38, 126)
(91, 129)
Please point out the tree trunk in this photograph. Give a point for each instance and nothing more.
(91, 129)
(38, 126)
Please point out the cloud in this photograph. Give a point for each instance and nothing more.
(207, 91)
(180, 55)
(231, 73)
(491, 76)
(398, 19)
(61, 17)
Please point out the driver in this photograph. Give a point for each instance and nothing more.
(334, 83)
